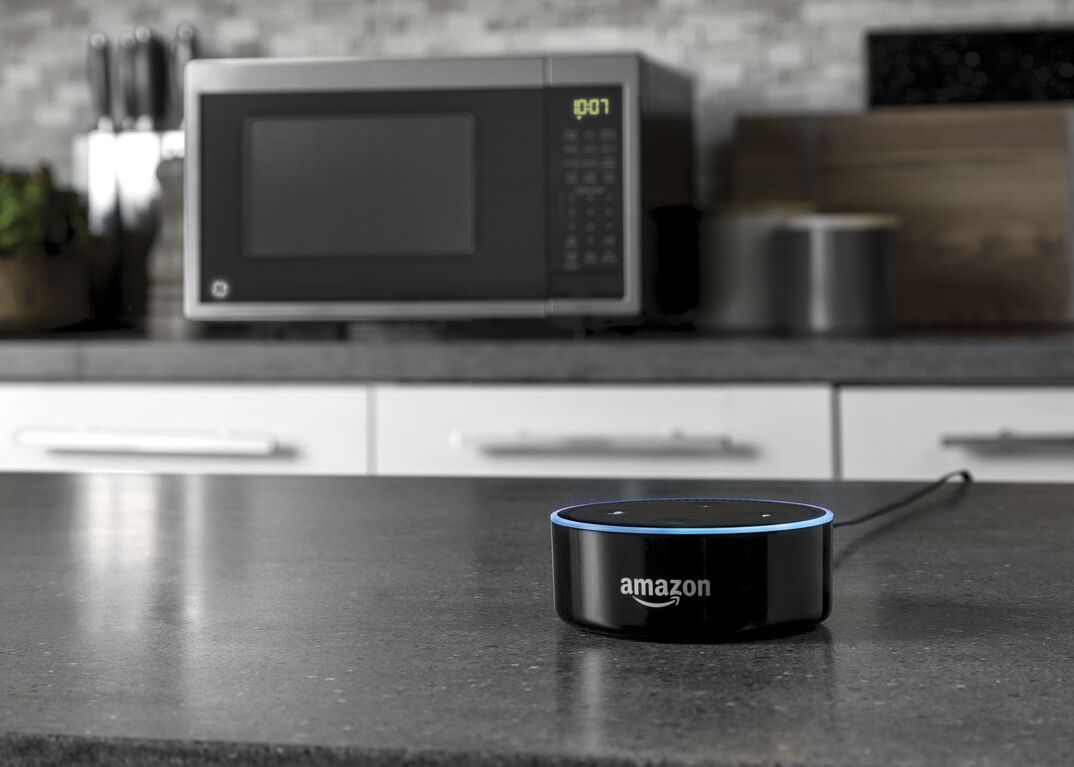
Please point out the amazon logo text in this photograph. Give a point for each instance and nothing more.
(663, 592)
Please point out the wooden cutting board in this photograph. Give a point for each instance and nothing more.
(983, 192)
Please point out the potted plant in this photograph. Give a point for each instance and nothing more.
(43, 237)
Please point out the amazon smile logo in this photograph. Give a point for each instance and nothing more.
(663, 592)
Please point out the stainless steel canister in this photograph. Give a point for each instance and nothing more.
(838, 273)
(740, 284)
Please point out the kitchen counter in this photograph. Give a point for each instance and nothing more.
(178, 620)
(667, 357)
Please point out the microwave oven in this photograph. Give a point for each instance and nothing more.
(342, 189)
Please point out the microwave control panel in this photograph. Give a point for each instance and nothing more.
(585, 233)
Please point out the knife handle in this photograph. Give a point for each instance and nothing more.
(98, 63)
(150, 78)
(128, 103)
(185, 48)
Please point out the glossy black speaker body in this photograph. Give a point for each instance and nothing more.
(692, 570)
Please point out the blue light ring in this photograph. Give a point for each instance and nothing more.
(826, 517)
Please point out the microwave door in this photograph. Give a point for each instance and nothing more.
(378, 198)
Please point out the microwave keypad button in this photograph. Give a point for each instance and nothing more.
(570, 149)
(607, 177)
(590, 163)
(608, 163)
(609, 257)
(590, 257)
(609, 149)
(570, 177)
(571, 241)
(609, 134)
(570, 134)
(589, 135)
(589, 148)
(589, 178)
(608, 240)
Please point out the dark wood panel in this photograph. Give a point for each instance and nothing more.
(982, 193)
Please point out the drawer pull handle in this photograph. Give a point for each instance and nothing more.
(675, 444)
(1009, 443)
(144, 442)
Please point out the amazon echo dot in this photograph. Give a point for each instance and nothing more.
(692, 569)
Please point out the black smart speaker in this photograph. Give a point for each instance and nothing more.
(692, 569)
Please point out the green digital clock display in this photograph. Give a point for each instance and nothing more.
(591, 108)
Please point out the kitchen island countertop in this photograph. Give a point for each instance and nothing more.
(177, 620)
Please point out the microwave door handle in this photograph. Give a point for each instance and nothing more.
(525, 444)
(147, 442)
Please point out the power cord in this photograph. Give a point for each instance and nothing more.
(917, 495)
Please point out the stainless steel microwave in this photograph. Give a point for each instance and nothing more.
(555, 186)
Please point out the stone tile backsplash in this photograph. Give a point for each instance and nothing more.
(748, 55)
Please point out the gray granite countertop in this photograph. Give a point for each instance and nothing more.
(175, 620)
(1027, 359)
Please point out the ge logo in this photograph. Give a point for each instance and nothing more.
(220, 289)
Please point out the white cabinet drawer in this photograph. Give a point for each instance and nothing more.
(609, 431)
(213, 429)
(1006, 434)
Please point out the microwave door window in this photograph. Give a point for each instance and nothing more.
(373, 196)
(354, 186)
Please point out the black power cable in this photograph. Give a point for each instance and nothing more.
(917, 495)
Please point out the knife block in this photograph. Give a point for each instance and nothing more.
(116, 172)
